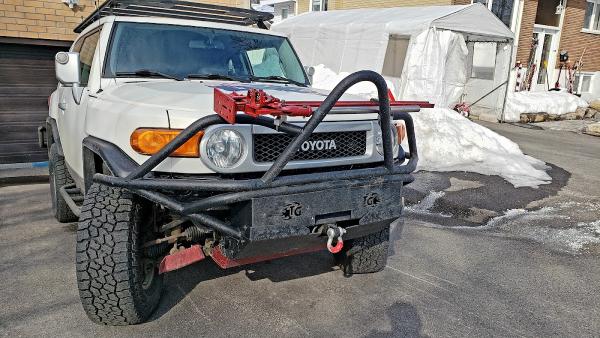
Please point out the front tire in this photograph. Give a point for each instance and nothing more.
(365, 254)
(117, 284)
(59, 177)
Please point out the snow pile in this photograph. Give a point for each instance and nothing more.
(448, 141)
(553, 103)
(325, 78)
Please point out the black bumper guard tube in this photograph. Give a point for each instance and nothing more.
(270, 184)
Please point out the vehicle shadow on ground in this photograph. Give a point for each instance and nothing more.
(404, 320)
(179, 283)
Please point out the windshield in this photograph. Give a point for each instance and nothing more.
(200, 52)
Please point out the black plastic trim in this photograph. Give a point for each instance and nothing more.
(54, 134)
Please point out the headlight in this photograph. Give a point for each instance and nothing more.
(395, 143)
(225, 148)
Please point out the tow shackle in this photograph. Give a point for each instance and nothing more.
(332, 233)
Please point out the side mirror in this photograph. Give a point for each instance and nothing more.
(68, 72)
(310, 71)
(67, 68)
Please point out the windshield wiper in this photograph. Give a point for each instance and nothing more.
(214, 77)
(149, 73)
(277, 78)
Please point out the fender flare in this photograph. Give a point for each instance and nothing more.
(119, 163)
(52, 135)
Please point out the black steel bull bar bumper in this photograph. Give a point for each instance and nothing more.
(271, 184)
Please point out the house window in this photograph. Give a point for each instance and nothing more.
(319, 5)
(503, 9)
(583, 83)
(284, 13)
(592, 16)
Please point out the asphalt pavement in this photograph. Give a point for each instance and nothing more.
(491, 280)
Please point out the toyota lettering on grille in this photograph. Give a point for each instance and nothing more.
(318, 145)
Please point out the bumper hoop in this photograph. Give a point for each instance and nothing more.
(140, 181)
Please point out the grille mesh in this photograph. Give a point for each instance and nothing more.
(267, 147)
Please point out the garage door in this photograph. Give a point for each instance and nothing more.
(26, 80)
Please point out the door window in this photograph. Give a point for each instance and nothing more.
(543, 65)
(86, 56)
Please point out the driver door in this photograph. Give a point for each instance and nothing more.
(71, 111)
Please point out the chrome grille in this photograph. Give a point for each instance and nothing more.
(267, 147)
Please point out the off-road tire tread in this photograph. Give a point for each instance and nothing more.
(109, 275)
(367, 254)
(58, 169)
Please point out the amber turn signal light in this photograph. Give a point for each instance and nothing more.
(147, 141)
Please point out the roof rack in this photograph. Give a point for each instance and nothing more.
(177, 10)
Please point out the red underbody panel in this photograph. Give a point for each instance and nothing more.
(257, 102)
(181, 258)
(225, 262)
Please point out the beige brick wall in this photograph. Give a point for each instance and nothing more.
(54, 20)
(303, 5)
(41, 19)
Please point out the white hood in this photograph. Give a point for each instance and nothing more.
(186, 101)
(119, 110)
(198, 95)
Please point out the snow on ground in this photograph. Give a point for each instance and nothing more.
(448, 141)
(553, 103)
(325, 78)
(533, 225)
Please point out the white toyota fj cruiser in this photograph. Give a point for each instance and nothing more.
(179, 132)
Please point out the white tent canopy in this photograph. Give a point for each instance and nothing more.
(354, 34)
(351, 40)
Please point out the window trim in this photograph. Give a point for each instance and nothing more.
(81, 40)
(595, 11)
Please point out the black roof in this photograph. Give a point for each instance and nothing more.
(177, 10)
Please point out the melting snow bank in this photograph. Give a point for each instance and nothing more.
(553, 103)
(448, 141)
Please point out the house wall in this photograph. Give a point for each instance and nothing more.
(526, 32)
(41, 19)
(54, 20)
(304, 5)
(279, 7)
(574, 40)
